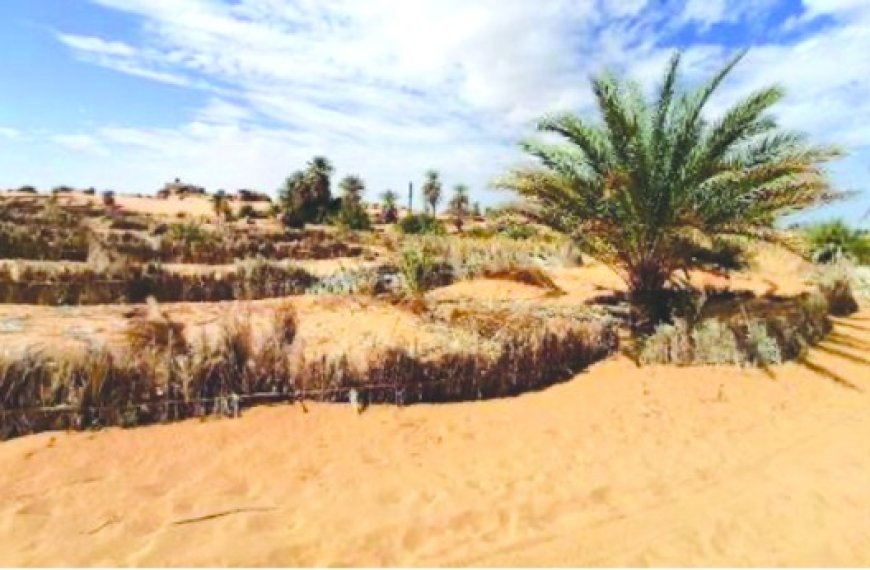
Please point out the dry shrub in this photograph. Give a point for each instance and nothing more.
(151, 329)
(125, 283)
(533, 276)
(143, 333)
(285, 323)
(715, 343)
(835, 284)
(509, 363)
(780, 329)
(363, 281)
(146, 386)
(669, 343)
(762, 348)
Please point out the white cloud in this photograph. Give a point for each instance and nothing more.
(121, 57)
(9, 133)
(81, 143)
(388, 88)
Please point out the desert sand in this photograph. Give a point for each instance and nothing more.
(619, 466)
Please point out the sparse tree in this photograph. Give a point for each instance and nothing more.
(432, 190)
(650, 176)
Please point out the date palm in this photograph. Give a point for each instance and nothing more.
(432, 190)
(352, 188)
(459, 205)
(388, 207)
(317, 176)
(652, 175)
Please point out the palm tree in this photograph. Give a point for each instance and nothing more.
(432, 190)
(352, 214)
(388, 207)
(352, 188)
(293, 197)
(459, 205)
(651, 176)
(292, 192)
(317, 176)
(306, 194)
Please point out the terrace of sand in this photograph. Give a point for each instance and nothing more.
(619, 466)
(664, 466)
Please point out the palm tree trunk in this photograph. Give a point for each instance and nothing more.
(647, 293)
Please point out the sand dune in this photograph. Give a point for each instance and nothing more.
(693, 466)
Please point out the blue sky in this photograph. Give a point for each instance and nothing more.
(126, 94)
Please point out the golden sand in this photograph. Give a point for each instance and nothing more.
(619, 466)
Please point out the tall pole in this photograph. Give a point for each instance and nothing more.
(410, 198)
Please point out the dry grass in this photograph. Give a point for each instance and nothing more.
(157, 378)
(150, 329)
(129, 283)
(755, 332)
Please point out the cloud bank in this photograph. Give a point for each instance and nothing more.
(388, 89)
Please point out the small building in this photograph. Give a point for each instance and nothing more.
(245, 195)
(179, 188)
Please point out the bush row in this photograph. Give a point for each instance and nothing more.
(157, 379)
(777, 330)
(134, 284)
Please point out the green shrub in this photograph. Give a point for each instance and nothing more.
(292, 219)
(421, 224)
(248, 211)
(189, 234)
(480, 232)
(354, 217)
(830, 240)
(418, 268)
(518, 231)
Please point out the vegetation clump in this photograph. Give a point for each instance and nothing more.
(779, 330)
(421, 224)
